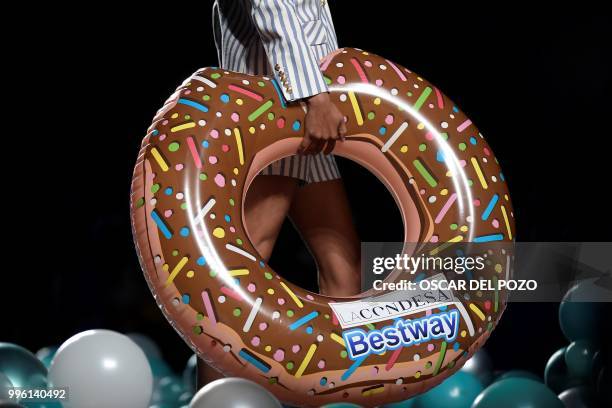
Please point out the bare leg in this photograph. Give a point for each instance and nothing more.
(322, 215)
(267, 204)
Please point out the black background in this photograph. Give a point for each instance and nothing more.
(536, 86)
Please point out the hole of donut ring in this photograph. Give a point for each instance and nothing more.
(382, 205)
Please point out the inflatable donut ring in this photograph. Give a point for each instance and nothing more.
(208, 142)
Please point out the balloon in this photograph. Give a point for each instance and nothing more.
(517, 393)
(190, 373)
(168, 389)
(146, 344)
(409, 403)
(5, 384)
(556, 376)
(215, 134)
(604, 385)
(481, 366)
(577, 397)
(457, 391)
(583, 320)
(341, 405)
(45, 355)
(233, 393)
(21, 367)
(519, 373)
(44, 404)
(159, 367)
(102, 368)
(579, 358)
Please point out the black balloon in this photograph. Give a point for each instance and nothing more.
(578, 397)
(480, 366)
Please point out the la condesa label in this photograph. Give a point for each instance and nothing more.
(403, 332)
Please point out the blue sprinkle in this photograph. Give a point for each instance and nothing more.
(382, 130)
(205, 143)
(168, 191)
(455, 109)
(440, 156)
(442, 308)
(225, 98)
(155, 132)
(201, 261)
(473, 140)
(296, 125)
(323, 381)
(186, 298)
(501, 176)
(456, 346)
(309, 330)
(184, 232)
(227, 218)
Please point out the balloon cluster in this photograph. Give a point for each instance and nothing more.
(102, 368)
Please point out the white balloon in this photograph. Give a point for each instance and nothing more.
(102, 369)
(234, 392)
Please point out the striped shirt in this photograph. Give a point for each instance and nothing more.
(285, 39)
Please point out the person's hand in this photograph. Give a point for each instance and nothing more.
(323, 125)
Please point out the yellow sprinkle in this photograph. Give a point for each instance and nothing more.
(239, 145)
(356, 108)
(445, 245)
(417, 374)
(304, 364)
(270, 291)
(165, 267)
(268, 348)
(176, 270)
(238, 272)
(506, 221)
(404, 149)
(337, 339)
(174, 115)
(498, 268)
(477, 311)
(421, 126)
(463, 333)
(377, 101)
(251, 130)
(372, 391)
(443, 192)
(239, 102)
(236, 170)
(184, 126)
(292, 295)
(476, 166)
(219, 232)
(159, 159)
(190, 274)
(464, 228)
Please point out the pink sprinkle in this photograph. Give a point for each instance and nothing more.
(255, 341)
(280, 123)
(368, 63)
(162, 137)
(168, 213)
(214, 133)
(389, 119)
(378, 82)
(212, 159)
(434, 238)
(464, 125)
(179, 167)
(477, 202)
(321, 364)
(487, 304)
(263, 326)
(430, 347)
(486, 151)
(225, 148)
(232, 229)
(429, 136)
(281, 301)
(235, 117)
(187, 91)
(341, 79)
(220, 180)
(495, 223)
(462, 163)
(296, 348)
(251, 287)
(279, 355)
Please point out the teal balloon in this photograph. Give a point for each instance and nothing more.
(457, 391)
(579, 358)
(46, 354)
(556, 376)
(42, 404)
(159, 367)
(583, 320)
(341, 405)
(146, 344)
(481, 366)
(409, 403)
(168, 390)
(5, 384)
(578, 397)
(519, 374)
(517, 393)
(190, 374)
(22, 367)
